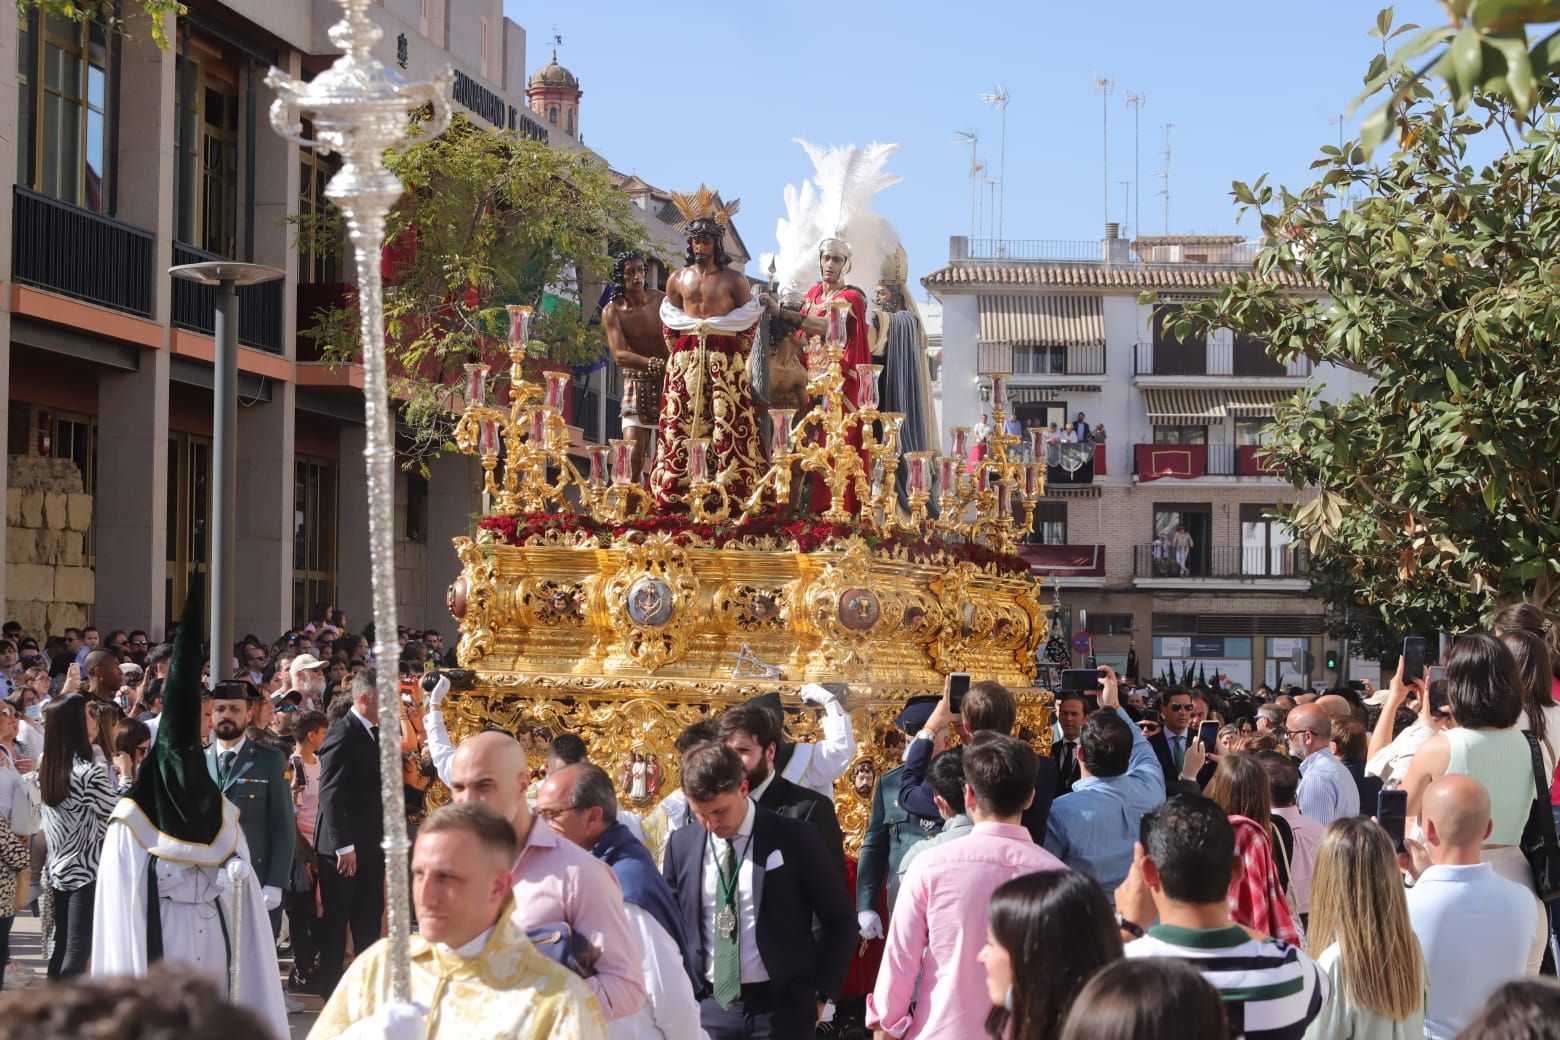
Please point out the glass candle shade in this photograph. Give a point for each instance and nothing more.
(1036, 442)
(599, 463)
(1003, 491)
(538, 425)
(476, 386)
(836, 328)
(961, 442)
(948, 474)
(488, 438)
(557, 391)
(519, 326)
(999, 392)
(866, 386)
(982, 478)
(1031, 479)
(780, 430)
(920, 472)
(699, 460)
(622, 461)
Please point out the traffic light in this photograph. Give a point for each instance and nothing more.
(1332, 660)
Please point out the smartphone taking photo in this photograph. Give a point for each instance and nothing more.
(1208, 733)
(1392, 813)
(1413, 658)
(958, 686)
(1081, 680)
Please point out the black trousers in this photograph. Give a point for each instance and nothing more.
(5, 946)
(356, 902)
(762, 1014)
(303, 928)
(72, 931)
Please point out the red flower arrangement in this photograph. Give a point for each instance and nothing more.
(799, 534)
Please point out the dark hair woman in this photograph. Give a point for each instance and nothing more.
(1147, 998)
(1046, 935)
(77, 799)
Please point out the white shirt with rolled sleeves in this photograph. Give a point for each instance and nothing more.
(818, 765)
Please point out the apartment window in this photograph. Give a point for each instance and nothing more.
(314, 534)
(1039, 360)
(1250, 432)
(189, 515)
(1265, 543)
(1182, 531)
(206, 128)
(1050, 524)
(416, 508)
(1110, 624)
(1174, 356)
(319, 258)
(1180, 435)
(62, 116)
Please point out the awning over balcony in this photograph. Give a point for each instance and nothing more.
(1255, 402)
(1042, 321)
(1181, 406)
(1065, 561)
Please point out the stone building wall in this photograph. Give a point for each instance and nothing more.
(49, 585)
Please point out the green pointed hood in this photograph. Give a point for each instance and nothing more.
(174, 789)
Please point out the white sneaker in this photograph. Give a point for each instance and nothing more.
(293, 1006)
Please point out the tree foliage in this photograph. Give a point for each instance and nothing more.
(1436, 277)
(489, 219)
(1483, 48)
(105, 11)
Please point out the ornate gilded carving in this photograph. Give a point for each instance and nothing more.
(650, 601)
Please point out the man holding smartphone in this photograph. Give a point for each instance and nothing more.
(989, 707)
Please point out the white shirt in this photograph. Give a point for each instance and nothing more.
(1391, 762)
(670, 1011)
(1465, 918)
(747, 912)
(472, 948)
(817, 765)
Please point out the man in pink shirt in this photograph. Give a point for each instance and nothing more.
(555, 880)
(939, 922)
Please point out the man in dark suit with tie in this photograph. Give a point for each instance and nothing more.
(749, 884)
(253, 777)
(1070, 711)
(752, 732)
(347, 833)
(1175, 739)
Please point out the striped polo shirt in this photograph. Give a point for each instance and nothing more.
(1271, 990)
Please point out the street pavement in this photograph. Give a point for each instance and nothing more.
(27, 949)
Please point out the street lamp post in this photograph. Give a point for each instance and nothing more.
(227, 277)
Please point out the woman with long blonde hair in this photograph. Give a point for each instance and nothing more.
(1360, 935)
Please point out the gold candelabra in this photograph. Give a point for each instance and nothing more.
(849, 442)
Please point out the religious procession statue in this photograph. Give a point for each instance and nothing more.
(632, 320)
(899, 341)
(709, 317)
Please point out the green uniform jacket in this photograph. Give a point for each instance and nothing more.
(259, 788)
(890, 833)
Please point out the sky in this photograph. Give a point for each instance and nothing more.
(682, 93)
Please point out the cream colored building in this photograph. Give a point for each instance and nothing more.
(1183, 427)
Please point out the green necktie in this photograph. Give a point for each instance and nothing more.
(728, 956)
(225, 767)
(1180, 751)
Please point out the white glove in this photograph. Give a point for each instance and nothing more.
(273, 897)
(870, 923)
(436, 695)
(812, 693)
(391, 1022)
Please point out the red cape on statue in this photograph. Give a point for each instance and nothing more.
(856, 353)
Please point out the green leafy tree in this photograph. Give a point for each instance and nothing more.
(490, 219)
(1436, 277)
(107, 12)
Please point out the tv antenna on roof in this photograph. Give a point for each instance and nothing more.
(999, 99)
(970, 138)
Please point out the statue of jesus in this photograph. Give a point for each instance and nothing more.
(709, 317)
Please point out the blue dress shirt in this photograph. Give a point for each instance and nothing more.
(1327, 792)
(1092, 830)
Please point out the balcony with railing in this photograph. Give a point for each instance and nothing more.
(1080, 250)
(259, 306)
(1190, 461)
(1217, 358)
(75, 252)
(1221, 562)
(1062, 362)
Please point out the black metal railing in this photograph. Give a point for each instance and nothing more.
(1161, 560)
(259, 306)
(1213, 359)
(76, 252)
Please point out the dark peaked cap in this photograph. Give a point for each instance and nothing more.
(174, 789)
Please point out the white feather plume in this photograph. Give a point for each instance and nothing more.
(836, 201)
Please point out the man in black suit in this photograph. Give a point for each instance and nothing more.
(752, 732)
(989, 707)
(1175, 741)
(347, 833)
(749, 886)
(1071, 708)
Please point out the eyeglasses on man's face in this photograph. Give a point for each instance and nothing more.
(1179, 707)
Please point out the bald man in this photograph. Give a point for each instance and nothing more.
(1469, 920)
(554, 879)
(1327, 791)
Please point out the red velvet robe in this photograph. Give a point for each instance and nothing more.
(856, 353)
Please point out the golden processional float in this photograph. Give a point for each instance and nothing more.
(584, 608)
